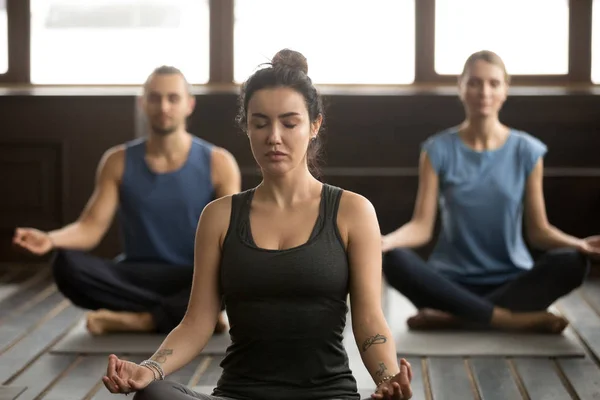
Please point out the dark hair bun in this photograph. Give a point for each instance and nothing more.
(291, 59)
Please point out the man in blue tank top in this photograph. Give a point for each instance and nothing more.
(158, 185)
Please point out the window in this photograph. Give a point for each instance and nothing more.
(3, 38)
(117, 41)
(532, 36)
(596, 42)
(362, 42)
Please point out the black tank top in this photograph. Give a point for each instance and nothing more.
(287, 311)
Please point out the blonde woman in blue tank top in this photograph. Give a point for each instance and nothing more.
(283, 256)
(485, 178)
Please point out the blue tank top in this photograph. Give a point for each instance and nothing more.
(159, 212)
(481, 201)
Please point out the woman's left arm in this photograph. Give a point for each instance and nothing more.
(540, 233)
(359, 228)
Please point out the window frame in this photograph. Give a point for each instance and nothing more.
(221, 57)
(18, 19)
(580, 48)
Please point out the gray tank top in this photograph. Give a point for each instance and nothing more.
(287, 311)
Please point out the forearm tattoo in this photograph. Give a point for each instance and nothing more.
(161, 355)
(381, 370)
(377, 339)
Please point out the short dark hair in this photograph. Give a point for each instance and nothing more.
(288, 68)
(168, 70)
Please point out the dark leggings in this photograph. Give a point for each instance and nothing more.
(555, 274)
(162, 390)
(93, 283)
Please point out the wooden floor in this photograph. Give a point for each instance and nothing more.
(34, 316)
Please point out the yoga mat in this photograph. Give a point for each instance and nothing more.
(79, 340)
(473, 343)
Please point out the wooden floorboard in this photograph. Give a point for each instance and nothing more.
(35, 315)
(80, 379)
(418, 382)
(38, 341)
(449, 378)
(584, 320)
(40, 376)
(186, 374)
(494, 378)
(10, 392)
(583, 376)
(18, 325)
(540, 378)
(26, 293)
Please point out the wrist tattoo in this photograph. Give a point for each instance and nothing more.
(161, 355)
(377, 339)
(381, 370)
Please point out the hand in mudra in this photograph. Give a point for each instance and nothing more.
(125, 376)
(397, 388)
(32, 241)
(591, 246)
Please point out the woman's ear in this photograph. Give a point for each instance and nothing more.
(315, 126)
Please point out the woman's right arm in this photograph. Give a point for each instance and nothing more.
(419, 230)
(188, 339)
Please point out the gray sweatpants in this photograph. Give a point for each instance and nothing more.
(167, 390)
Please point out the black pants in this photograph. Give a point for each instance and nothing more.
(94, 283)
(160, 390)
(555, 274)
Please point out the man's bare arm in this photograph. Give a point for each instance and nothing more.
(97, 216)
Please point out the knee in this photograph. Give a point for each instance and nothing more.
(62, 265)
(570, 264)
(157, 390)
(65, 268)
(397, 261)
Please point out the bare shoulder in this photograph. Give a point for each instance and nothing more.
(216, 216)
(219, 206)
(115, 153)
(221, 156)
(355, 213)
(113, 162)
(354, 205)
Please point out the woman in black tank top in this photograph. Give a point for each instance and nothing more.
(283, 258)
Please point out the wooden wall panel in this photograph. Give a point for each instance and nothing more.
(58, 141)
(371, 147)
(31, 178)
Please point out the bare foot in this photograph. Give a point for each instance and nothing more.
(429, 319)
(104, 321)
(533, 322)
(221, 326)
(540, 322)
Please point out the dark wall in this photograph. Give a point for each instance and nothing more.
(50, 146)
(49, 149)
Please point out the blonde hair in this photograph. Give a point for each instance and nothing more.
(487, 56)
